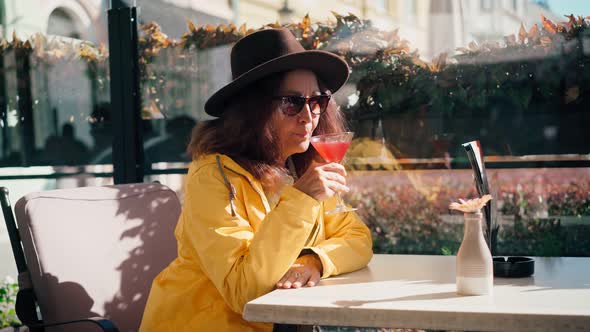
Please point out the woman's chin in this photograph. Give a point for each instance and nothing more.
(299, 148)
(303, 146)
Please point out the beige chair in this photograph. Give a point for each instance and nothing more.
(93, 251)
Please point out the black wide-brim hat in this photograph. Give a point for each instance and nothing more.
(272, 51)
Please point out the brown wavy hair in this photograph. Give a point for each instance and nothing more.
(245, 133)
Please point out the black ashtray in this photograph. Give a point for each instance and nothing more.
(513, 266)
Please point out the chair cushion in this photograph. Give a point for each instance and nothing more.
(94, 251)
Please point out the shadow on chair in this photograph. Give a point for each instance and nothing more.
(75, 293)
(90, 251)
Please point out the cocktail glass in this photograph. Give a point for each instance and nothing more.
(333, 147)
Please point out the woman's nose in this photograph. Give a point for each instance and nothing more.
(305, 115)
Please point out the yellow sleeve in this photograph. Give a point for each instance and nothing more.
(243, 265)
(348, 245)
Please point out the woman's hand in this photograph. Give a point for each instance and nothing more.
(307, 270)
(322, 181)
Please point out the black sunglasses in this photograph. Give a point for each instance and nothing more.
(292, 105)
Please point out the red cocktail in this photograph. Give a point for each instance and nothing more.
(333, 147)
(331, 151)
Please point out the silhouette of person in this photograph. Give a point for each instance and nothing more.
(65, 149)
(172, 146)
(101, 130)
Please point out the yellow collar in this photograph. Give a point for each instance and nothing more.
(229, 164)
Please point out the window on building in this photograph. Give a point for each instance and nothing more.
(381, 5)
(412, 7)
(487, 5)
(62, 24)
(441, 7)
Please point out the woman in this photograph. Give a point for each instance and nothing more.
(249, 224)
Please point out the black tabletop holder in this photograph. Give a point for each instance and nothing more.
(513, 266)
(504, 266)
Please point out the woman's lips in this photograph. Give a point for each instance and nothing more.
(301, 135)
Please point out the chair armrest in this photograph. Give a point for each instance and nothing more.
(105, 324)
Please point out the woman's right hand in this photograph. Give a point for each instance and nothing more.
(322, 181)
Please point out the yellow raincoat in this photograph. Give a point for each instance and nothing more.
(231, 251)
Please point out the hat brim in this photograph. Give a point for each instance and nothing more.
(330, 69)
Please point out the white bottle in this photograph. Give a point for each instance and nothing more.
(475, 271)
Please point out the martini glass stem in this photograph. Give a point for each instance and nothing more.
(340, 205)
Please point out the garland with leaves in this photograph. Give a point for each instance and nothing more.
(353, 38)
(379, 60)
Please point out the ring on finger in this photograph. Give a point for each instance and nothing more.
(297, 274)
